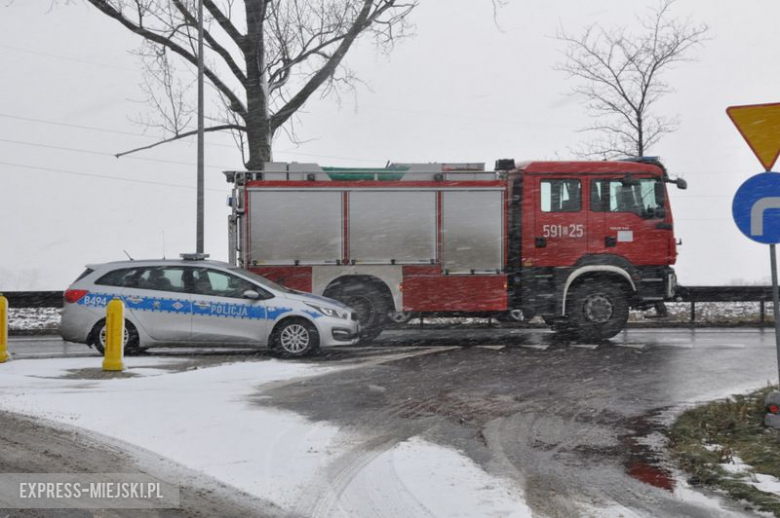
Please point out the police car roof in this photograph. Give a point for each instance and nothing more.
(160, 262)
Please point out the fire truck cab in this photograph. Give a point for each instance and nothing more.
(577, 243)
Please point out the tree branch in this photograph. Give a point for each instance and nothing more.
(221, 127)
(108, 10)
(224, 22)
(364, 19)
(213, 44)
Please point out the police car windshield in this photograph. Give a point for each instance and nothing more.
(262, 280)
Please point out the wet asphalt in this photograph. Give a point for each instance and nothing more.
(576, 425)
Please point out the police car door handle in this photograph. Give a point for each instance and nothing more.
(202, 304)
(135, 300)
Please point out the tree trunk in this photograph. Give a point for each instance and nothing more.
(257, 119)
(640, 139)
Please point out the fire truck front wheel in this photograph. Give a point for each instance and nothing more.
(596, 310)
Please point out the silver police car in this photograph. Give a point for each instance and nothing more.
(194, 301)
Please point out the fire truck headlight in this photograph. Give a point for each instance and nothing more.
(330, 312)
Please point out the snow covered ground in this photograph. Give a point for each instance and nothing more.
(33, 318)
(205, 418)
(745, 472)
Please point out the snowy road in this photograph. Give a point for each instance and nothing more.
(443, 423)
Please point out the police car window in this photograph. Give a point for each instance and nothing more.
(84, 274)
(561, 195)
(264, 282)
(124, 277)
(176, 278)
(220, 284)
(161, 278)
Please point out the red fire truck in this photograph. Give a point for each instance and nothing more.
(577, 243)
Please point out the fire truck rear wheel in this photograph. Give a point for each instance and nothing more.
(370, 305)
(596, 311)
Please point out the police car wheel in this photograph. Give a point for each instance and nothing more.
(296, 338)
(597, 311)
(129, 343)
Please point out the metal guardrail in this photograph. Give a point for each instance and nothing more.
(688, 294)
(33, 299)
(694, 294)
(725, 293)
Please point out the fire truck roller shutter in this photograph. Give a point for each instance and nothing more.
(278, 217)
(369, 297)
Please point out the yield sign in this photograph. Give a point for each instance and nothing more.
(759, 125)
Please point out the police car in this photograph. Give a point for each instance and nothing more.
(194, 301)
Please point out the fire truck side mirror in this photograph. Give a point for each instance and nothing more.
(681, 183)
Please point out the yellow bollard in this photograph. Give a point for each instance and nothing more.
(4, 356)
(115, 334)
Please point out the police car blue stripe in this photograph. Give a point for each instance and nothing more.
(228, 310)
(183, 306)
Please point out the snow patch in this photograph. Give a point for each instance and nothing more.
(205, 419)
(760, 481)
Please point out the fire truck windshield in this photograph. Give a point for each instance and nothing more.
(642, 196)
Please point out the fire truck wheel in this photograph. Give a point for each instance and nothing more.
(97, 338)
(370, 305)
(597, 311)
(295, 338)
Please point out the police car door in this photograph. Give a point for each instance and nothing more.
(221, 314)
(155, 298)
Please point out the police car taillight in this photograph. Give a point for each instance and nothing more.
(72, 296)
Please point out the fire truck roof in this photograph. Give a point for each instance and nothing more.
(591, 168)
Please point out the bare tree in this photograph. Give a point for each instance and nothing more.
(621, 78)
(263, 58)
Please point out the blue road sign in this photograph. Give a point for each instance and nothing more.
(756, 208)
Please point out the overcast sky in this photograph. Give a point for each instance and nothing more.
(466, 87)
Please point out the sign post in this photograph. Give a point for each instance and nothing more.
(756, 206)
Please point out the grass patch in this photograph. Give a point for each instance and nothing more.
(707, 436)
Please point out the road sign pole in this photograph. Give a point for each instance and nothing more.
(775, 303)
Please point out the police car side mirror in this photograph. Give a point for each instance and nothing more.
(251, 294)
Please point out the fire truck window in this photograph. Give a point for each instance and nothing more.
(645, 197)
(561, 195)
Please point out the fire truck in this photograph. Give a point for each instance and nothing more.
(577, 243)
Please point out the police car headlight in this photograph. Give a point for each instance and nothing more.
(330, 312)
